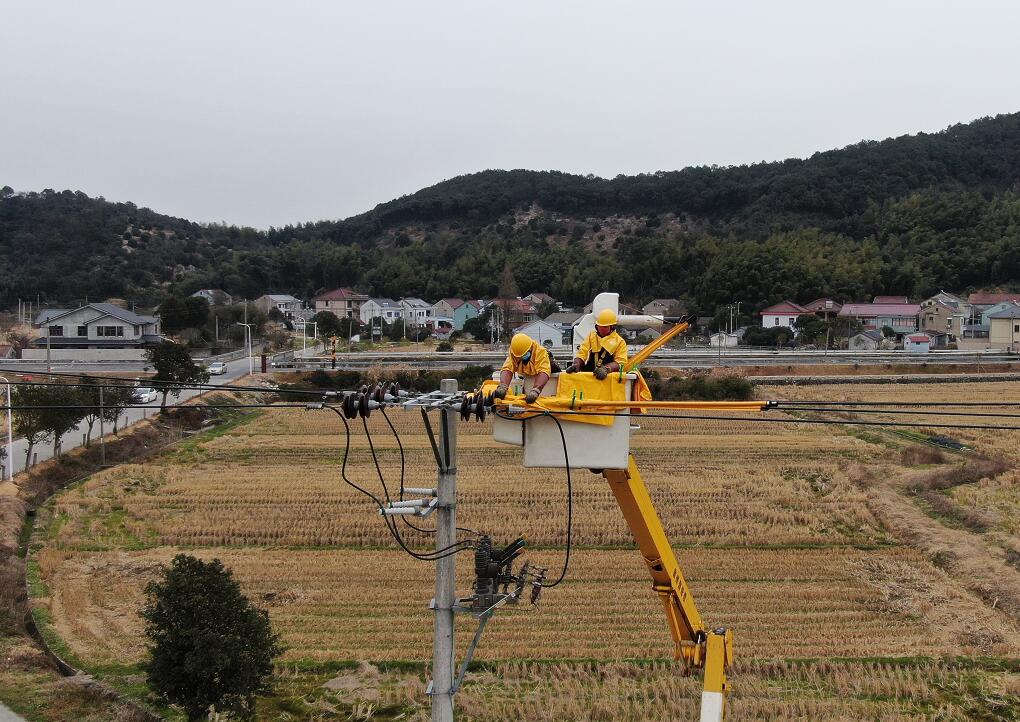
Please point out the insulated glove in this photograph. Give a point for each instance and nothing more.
(500, 392)
(601, 372)
(572, 369)
(532, 396)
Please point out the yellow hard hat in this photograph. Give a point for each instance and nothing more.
(520, 344)
(606, 317)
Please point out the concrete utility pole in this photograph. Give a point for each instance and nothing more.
(247, 329)
(10, 432)
(102, 430)
(441, 688)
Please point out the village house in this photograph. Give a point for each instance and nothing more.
(900, 317)
(416, 312)
(385, 308)
(343, 302)
(94, 326)
(284, 303)
(663, 307)
(1004, 329)
(782, 314)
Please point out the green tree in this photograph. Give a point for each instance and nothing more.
(328, 324)
(211, 648)
(116, 397)
(53, 416)
(478, 326)
(174, 369)
(546, 309)
(28, 422)
(508, 287)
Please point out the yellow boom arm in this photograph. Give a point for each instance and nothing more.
(699, 647)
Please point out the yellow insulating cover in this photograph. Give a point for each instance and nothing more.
(641, 391)
(583, 385)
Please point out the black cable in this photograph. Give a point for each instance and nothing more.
(570, 487)
(400, 446)
(799, 402)
(767, 420)
(120, 381)
(570, 507)
(15, 407)
(431, 556)
(851, 410)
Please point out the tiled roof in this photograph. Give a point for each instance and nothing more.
(1013, 312)
(341, 294)
(879, 309)
(784, 308)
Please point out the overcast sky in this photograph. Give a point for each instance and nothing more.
(272, 113)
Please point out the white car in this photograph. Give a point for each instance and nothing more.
(217, 367)
(145, 395)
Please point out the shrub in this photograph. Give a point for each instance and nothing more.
(702, 388)
(211, 648)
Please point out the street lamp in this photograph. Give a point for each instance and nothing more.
(247, 328)
(10, 431)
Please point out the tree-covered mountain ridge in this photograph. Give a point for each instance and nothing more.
(911, 215)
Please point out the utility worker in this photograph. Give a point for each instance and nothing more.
(603, 351)
(526, 358)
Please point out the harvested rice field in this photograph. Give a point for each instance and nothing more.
(846, 561)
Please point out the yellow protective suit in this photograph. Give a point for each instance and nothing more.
(597, 351)
(539, 363)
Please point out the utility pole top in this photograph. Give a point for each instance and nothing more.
(448, 386)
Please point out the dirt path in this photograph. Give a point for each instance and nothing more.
(979, 566)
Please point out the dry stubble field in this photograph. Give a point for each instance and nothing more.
(806, 540)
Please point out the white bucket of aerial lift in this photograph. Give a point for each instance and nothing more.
(589, 446)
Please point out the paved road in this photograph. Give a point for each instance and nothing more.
(73, 438)
(7, 716)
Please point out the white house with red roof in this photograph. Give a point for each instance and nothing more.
(782, 314)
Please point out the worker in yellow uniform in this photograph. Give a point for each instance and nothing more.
(526, 358)
(603, 351)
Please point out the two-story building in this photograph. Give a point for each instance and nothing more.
(343, 302)
(385, 308)
(1004, 329)
(510, 313)
(93, 331)
(283, 302)
(1001, 306)
(823, 307)
(663, 307)
(538, 297)
(416, 312)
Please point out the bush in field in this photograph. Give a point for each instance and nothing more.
(211, 648)
(700, 388)
(471, 376)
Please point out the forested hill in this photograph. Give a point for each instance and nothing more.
(908, 215)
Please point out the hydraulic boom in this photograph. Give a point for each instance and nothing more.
(700, 648)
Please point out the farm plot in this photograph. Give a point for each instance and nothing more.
(984, 491)
(775, 538)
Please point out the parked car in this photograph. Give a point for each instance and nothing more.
(217, 367)
(145, 394)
